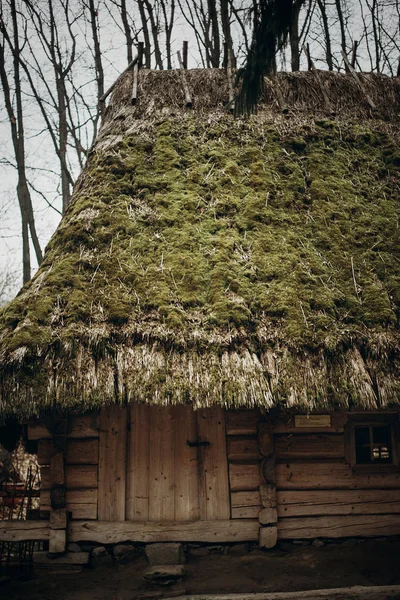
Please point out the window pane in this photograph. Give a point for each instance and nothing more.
(363, 454)
(381, 434)
(362, 436)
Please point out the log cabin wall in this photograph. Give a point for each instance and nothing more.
(81, 469)
(112, 458)
(318, 492)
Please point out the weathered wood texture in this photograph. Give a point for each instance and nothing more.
(170, 476)
(244, 476)
(286, 424)
(112, 464)
(84, 426)
(138, 465)
(242, 422)
(20, 531)
(331, 475)
(76, 477)
(192, 531)
(337, 502)
(320, 495)
(81, 503)
(214, 483)
(244, 469)
(79, 452)
(317, 445)
(245, 505)
(336, 526)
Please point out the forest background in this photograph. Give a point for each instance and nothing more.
(57, 57)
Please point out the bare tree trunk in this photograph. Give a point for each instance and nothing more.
(127, 31)
(97, 54)
(146, 34)
(215, 42)
(328, 47)
(18, 139)
(295, 35)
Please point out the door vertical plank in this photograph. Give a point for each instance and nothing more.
(162, 464)
(112, 464)
(214, 482)
(137, 489)
(186, 465)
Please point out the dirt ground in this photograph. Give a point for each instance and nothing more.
(291, 568)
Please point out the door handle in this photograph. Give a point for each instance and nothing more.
(198, 443)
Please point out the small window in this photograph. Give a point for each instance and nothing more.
(372, 442)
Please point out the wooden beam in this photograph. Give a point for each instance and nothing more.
(338, 526)
(185, 54)
(337, 502)
(244, 476)
(80, 426)
(110, 89)
(188, 97)
(317, 445)
(331, 475)
(242, 422)
(23, 531)
(238, 530)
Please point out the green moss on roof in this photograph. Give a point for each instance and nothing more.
(221, 235)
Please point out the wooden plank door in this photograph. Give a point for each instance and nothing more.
(169, 476)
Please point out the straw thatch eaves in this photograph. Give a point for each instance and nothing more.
(210, 260)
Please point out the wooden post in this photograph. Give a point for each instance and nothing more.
(188, 98)
(398, 68)
(136, 68)
(58, 511)
(354, 54)
(328, 105)
(110, 89)
(268, 515)
(358, 81)
(185, 54)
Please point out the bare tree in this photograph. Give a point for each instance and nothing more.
(14, 107)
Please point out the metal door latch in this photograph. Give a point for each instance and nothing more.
(198, 443)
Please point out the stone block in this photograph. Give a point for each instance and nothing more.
(165, 554)
(164, 572)
(124, 553)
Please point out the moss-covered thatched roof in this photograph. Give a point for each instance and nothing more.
(208, 259)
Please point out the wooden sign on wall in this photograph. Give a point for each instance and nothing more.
(312, 421)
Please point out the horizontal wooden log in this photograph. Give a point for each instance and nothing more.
(331, 475)
(317, 445)
(338, 526)
(76, 477)
(286, 424)
(243, 448)
(79, 452)
(83, 426)
(23, 531)
(242, 422)
(81, 503)
(244, 476)
(69, 558)
(105, 532)
(337, 502)
(245, 505)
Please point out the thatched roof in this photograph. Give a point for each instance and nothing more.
(211, 260)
